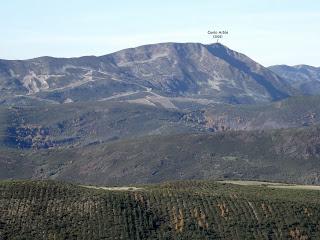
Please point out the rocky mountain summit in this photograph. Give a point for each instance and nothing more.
(151, 74)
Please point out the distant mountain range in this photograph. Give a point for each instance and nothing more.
(302, 77)
(151, 74)
(158, 112)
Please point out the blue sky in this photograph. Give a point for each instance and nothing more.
(269, 31)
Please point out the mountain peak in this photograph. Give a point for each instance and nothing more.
(217, 44)
(191, 70)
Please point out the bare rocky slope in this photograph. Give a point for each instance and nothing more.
(148, 74)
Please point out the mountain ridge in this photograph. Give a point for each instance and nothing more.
(117, 51)
(303, 77)
(194, 70)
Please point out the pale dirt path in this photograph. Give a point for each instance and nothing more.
(272, 184)
(114, 188)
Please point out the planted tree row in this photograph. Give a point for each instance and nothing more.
(180, 210)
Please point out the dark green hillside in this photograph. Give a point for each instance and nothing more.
(292, 112)
(291, 155)
(74, 124)
(84, 123)
(121, 143)
(284, 155)
(181, 210)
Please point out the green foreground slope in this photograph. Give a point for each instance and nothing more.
(180, 210)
